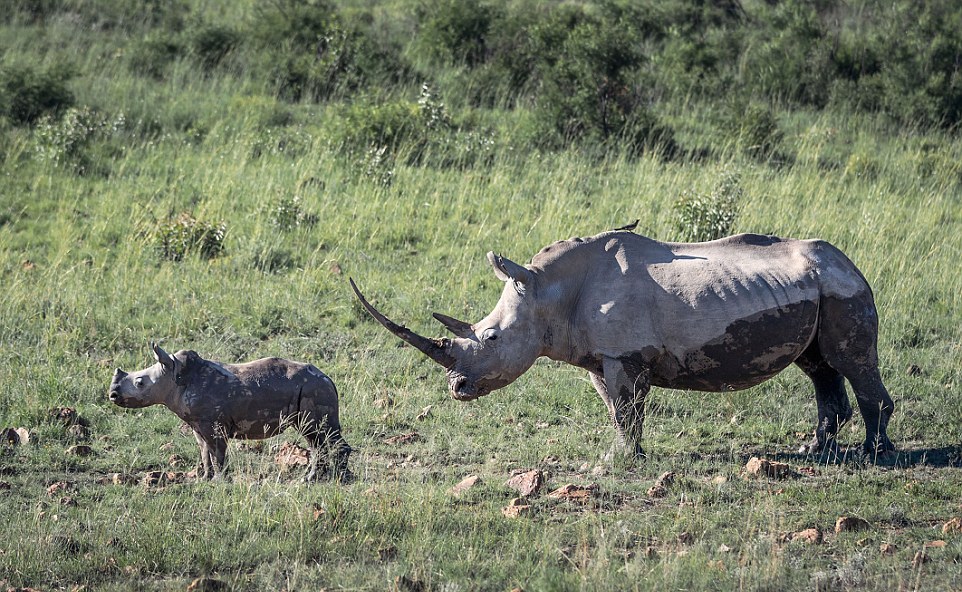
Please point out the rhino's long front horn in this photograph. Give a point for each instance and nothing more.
(429, 347)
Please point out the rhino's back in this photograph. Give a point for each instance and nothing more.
(716, 315)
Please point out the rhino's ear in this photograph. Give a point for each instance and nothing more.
(187, 362)
(163, 357)
(507, 269)
(459, 328)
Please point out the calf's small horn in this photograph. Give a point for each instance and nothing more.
(432, 348)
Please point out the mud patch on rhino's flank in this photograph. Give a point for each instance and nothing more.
(750, 351)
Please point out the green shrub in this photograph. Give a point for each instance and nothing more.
(64, 141)
(152, 56)
(455, 31)
(210, 44)
(753, 128)
(701, 217)
(27, 94)
(287, 213)
(174, 239)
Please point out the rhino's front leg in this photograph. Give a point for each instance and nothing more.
(204, 469)
(625, 385)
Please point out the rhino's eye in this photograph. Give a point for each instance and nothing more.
(489, 335)
(139, 381)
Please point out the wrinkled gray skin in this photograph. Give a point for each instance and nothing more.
(249, 401)
(714, 316)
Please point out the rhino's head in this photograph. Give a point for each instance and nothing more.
(491, 353)
(151, 385)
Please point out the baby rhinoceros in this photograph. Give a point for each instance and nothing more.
(249, 401)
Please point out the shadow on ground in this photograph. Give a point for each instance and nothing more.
(944, 457)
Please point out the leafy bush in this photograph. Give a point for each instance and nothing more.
(64, 141)
(176, 238)
(753, 128)
(701, 217)
(287, 213)
(210, 44)
(151, 56)
(455, 31)
(27, 94)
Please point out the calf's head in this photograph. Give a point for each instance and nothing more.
(151, 385)
(491, 353)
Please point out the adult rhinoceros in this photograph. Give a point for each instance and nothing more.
(714, 316)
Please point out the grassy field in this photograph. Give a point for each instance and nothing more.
(85, 289)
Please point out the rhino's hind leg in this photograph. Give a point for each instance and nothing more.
(329, 452)
(848, 336)
(624, 387)
(834, 409)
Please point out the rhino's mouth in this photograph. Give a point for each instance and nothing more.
(464, 390)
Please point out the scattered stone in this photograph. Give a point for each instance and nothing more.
(808, 471)
(14, 436)
(78, 432)
(686, 538)
(59, 487)
(4, 486)
(406, 584)
(290, 456)
(666, 479)
(939, 544)
(887, 549)
(650, 552)
(80, 450)
(762, 467)
(122, 479)
(526, 483)
(516, 508)
(850, 524)
(387, 553)
(317, 511)
(175, 460)
(465, 484)
(384, 402)
(167, 447)
(599, 471)
(913, 370)
(425, 413)
(660, 488)
(154, 479)
(65, 415)
(575, 492)
(723, 548)
(335, 268)
(68, 501)
(207, 584)
(400, 439)
(812, 536)
(953, 525)
(657, 491)
(719, 479)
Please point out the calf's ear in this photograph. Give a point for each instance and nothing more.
(163, 357)
(185, 363)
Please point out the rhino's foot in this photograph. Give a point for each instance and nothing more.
(827, 450)
(879, 449)
(627, 454)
